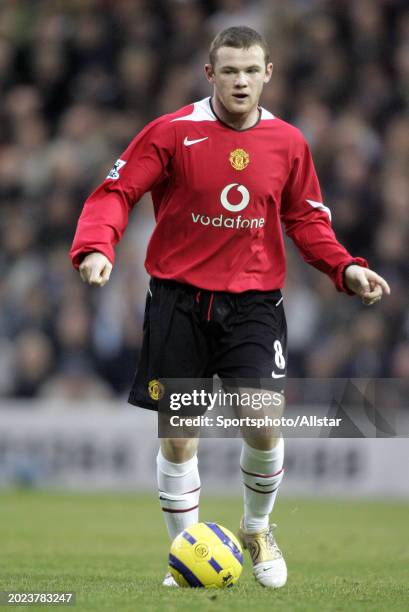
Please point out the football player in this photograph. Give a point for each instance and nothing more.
(223, 173)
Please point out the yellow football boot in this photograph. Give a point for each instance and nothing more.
(269, 567)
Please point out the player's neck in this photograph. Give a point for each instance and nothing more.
(234, 120)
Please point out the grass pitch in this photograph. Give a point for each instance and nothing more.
(112, 549)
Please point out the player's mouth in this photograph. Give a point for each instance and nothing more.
(240, 96)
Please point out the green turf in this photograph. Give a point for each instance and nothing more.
(111, 550)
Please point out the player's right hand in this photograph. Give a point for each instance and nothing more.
(95, 269)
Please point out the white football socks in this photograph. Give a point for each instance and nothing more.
(179, 490)
(262, 472)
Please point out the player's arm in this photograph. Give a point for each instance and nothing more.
(308, 223)
(105, 214)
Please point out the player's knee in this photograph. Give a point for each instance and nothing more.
(179, 450)
(263, 442)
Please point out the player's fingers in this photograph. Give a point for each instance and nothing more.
(370, 301)
(374, 291)
(106, 273)
(378, 280)
(372, 296)
(95, 277)
(363, 285)
(382, 282)
(84, 273)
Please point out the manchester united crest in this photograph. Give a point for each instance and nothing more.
(239, 159)
(155, 390)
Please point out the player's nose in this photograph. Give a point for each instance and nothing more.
(241, 80)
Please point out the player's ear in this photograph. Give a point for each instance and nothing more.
(209, 72)
(269, 72)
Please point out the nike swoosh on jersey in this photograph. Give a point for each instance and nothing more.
(274, 375)
(189, 143)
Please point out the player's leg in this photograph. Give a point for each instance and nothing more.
(262, 472)
(261, 464)
(178, 483)
(174, 350)
(174, 347)
(179, 487)
(258, 350)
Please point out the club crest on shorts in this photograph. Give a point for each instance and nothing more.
(239, 159)
(155, 389)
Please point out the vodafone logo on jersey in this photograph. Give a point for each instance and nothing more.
(237, 222)
(245, 197)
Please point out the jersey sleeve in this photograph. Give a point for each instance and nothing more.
(104, 216)
(307, 221)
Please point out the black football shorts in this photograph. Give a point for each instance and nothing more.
(194, 333)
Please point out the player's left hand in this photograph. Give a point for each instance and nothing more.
(366, 283)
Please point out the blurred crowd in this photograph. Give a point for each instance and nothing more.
(78, 78)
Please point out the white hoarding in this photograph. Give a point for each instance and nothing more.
(114, 446)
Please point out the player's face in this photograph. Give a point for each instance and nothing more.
(238, 77)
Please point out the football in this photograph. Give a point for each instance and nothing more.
(206, 555)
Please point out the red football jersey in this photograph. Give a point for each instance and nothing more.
(219, 197)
